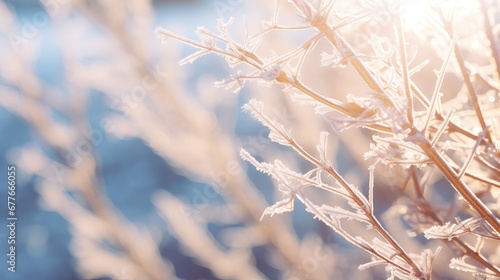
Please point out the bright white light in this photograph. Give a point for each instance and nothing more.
(413, 10)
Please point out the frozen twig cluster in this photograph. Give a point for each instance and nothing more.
(422, 130)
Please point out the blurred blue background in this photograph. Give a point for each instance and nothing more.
(130, 170)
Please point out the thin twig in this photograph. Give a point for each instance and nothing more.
(466, 74)
(452, 177)
(465, 248)
(404, 68)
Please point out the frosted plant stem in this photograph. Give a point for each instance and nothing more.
(472, 92)
(466, 73)
(425, 145)
(452, 177)
(347, 236)
(404, 68)
(464, 247)
(488, 29)
(335, 39)
(334, 106)
(361, 202)
(341, 44)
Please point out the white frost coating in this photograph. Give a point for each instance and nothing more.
(271, 73)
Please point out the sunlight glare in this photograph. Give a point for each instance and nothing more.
(412, 11)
